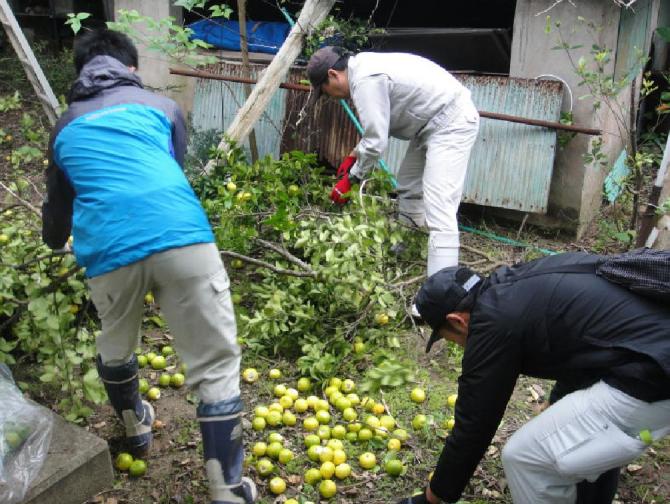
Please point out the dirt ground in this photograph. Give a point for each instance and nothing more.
(176, 472)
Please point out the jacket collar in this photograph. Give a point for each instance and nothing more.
(102, 72)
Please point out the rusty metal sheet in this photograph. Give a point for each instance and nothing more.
(216, 103)
(511, 164)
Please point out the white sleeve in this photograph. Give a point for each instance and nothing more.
(371, 97)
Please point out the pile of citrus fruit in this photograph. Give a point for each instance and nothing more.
(323, 439)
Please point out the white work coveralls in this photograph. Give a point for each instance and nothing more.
(411, 98)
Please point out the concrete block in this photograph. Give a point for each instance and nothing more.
(77, 467)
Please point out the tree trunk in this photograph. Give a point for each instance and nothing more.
(659, 238)
(312, 13)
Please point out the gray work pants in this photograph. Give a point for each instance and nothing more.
(431, 178)
(193, 290)
(578, 438)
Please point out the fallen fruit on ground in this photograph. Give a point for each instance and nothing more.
(418, 395)
(164, 380)
(167, 350)
(394, 467)
(342, 471)
(177, 380)
(137, 468)
(259, 449)
(327, 489)
(123, 461)
(153, 394)
(264, 467)
(250, 375)
(158, 362)
(451, 400)
(367, 460)
(419, 421)
(277, 485)
(274, 374)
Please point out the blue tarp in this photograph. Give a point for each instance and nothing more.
(262, 36)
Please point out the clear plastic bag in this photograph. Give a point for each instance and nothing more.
(25, 434)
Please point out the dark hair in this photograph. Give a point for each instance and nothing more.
(341, 64)
(104, 42)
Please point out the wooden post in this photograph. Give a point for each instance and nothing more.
(246, 72)
(312, 13)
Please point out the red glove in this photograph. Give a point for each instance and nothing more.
(346, 165)
(338, 194)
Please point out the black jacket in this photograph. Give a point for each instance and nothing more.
(560, 326)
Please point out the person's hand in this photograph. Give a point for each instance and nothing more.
(345, 166)
(339, 192)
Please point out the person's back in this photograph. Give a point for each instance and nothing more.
(579, 325)
(418, 88)
(115, 179)
(120, 148)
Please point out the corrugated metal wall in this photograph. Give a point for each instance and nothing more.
(510, 167)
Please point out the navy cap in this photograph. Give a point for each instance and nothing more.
(317, 68)
(441, 294)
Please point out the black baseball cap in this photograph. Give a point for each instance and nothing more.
(441, 294)
(317, 68)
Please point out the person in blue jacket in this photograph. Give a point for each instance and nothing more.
(115, 183)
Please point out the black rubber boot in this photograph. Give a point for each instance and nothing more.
(601, 491)
(221, 429)
(122, 387)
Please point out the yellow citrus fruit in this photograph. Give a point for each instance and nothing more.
(285, 456)
(327, 470)
(167, 350)
(159, 362)
(378, 409)
(451, 400)
(348, 386)
(338, 432)
(280, 390)
(143, 385)
(311, 440)
(417, 395)
(273, 450)
(339, 457)
(365, 434)
(275, 437)
(164, 380)
(354, 427)
(323, 417)
(275, 406)
(326, 454)
(153, 394)
(288, 419)
(273, 418)
(261, 411)
(359, 347)
(137, 468)
(353, 399)
(304, 384)
(149, 298)
(142, 361)
(367, 460)
(291, 501)
(177, 380)
(274, 374)
(259, 449)
(329, 390)
(231, 186)
(342, 471)
(335, 382)
(310, 423)
(349, 414)
(368, 403)
(401, 434)
(372, 421)
(292, 393)
(321, 405)
(327, 489)
(449, 424)
(265, 467)
(300, 405)
(323, 432)
(388, 422)
(342, 403)
(394, 444)
(394, 467)
(123, 461)
(312, 476)
(419, 421)
(258, 423)
(335, 444)
(382, 319)
(314, 452)
(250, 375)
(286, 401)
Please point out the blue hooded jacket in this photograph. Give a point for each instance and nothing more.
(115, 178)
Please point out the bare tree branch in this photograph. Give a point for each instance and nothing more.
(267, 265)
(25, 203)
(286, 254)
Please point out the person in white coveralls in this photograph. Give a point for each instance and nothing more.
(411, 98)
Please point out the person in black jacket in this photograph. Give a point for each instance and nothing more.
(607, 348)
